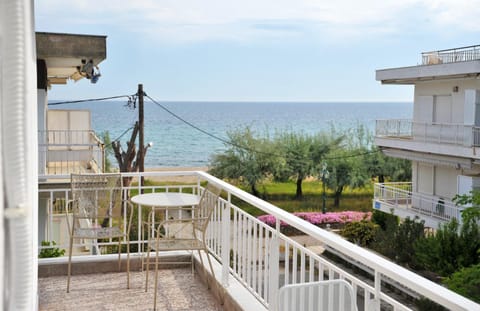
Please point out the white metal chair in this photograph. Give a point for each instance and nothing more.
(187, 233)
(96, 212)
(332, 295)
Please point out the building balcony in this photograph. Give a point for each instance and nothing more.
(399, 199)
(252, 260)
(70, 151)
(447, 139)
(462, 54)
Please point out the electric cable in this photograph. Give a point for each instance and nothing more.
(130, 97)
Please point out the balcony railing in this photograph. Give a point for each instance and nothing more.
(262, 258)
(462, 54)
(69, 151)
(441, 133)
(400, 196)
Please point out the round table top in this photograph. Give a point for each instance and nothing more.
(166, 199)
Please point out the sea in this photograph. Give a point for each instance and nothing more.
(187, 134)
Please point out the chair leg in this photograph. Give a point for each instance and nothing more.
(156, 279)
(119, 254)
(148, 266)
(128, 263)
(70, 249)
(203, 267)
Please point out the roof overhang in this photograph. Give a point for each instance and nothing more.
(415, 74)
(66, 54)
(450, 161)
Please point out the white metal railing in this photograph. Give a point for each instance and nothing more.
(263, 259)
(400, 196)
(462, 54)
(69, 151)
(442, 133)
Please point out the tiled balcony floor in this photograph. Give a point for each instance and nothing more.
(179, 290)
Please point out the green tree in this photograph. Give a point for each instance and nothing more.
(247, 158)
(107, 142)
(381, 166)
(346, 162)
(302, 154)
(346, 170)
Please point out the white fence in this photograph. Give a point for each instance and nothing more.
(441, 133)
(462, 54)
(70, 151)
(263, 259)
(400, 196)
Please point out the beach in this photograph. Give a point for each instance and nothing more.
(185, 179)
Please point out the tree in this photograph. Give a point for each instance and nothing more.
(108, 150)
(247, 158)
(381, 166)
(302, 154)
(127, 161)
(346, 169)
(346, 162)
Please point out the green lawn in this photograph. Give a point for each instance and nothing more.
(283, 196)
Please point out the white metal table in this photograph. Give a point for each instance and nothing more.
(166, 199)
(163, 201)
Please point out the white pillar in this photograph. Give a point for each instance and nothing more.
(18, 158)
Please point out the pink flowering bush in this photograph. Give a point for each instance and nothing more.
(318, 218)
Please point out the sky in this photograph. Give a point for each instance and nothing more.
(258, 50)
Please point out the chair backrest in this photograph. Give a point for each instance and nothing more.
(331, 295)
(97, 196)
(206, 207)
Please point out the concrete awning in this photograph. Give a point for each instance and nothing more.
(65, 55)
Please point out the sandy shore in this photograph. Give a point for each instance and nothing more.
(186, 179)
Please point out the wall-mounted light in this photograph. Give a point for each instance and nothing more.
(455, 89)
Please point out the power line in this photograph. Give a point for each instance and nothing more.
(208, 133)
(352, 155)
(130, 98)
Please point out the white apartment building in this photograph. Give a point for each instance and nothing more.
(442, 140)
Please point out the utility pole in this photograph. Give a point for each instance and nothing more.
(141, 147)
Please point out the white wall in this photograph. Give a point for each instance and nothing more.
(443, 88)
(435, 180)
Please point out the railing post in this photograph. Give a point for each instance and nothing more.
(226, 240)
(378, 284)
(273, 264)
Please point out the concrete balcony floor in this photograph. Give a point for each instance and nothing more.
(178, 290)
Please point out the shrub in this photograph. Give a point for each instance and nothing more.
(360, 232)
(385, 220)
(466, 282)
(50, 252)
(440, 252)
(317, 218)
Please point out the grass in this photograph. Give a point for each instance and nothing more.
(282, 194)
